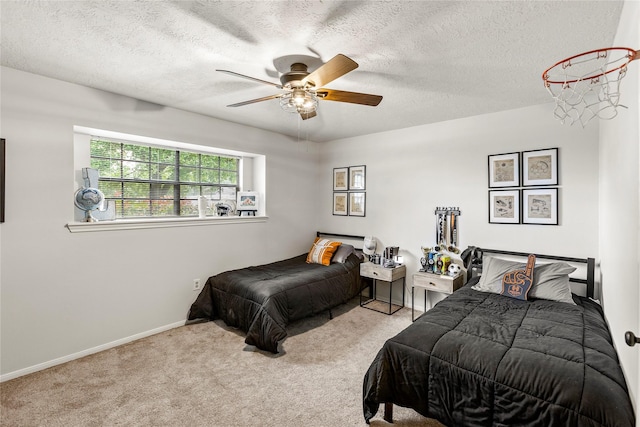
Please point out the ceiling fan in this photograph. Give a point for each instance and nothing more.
(302, 89)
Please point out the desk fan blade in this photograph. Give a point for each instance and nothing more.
(253, 101)
(250, 78)
(336, 67)
(352, 97)
(309, 115)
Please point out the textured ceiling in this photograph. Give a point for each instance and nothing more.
(430, 60)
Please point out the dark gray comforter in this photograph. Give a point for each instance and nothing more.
(481, 359)
(262, 300)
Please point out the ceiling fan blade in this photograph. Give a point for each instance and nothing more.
(308, 115)
(250, 78)
(336, 67)
(352, 97)
(253, 101)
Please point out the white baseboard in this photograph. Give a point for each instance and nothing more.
(78, 355)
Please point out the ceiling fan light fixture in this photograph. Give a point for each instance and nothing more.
(299, 97)
(299, 101)
(310, 103)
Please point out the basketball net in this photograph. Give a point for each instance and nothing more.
(588, 85)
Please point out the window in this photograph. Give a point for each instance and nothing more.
(152, 181)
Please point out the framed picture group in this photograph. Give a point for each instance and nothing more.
(349, 196)
(524, 205)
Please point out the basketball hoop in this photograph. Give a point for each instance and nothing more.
(587, 85)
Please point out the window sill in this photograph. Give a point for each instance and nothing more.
(135, 224)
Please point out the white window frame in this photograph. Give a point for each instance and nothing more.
(251, 177)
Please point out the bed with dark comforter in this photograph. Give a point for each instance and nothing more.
(483, 359)
(262, 300)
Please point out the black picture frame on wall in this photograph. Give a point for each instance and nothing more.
(340, 179)
(2, 176)
(540, 206)
(357, 203)
(540, 167)
(340, 203)
(504, 206)
(504, 170)
(357, 177)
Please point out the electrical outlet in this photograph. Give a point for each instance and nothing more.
(196, 284)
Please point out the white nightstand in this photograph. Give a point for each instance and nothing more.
(390, 275)
(433, 282)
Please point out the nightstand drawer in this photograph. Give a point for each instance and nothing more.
(376, 271)
(437, 283)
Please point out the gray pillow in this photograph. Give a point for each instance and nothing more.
(550, 281)
(342, 253)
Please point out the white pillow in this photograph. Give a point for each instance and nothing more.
(550, 281)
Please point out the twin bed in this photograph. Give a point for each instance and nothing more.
(477, 358)
(262, 300)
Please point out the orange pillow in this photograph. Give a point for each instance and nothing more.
(322, 251)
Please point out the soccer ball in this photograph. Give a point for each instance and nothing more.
(454, 269)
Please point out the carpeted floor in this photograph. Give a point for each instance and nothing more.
(204, 375)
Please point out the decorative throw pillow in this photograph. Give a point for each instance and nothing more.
(322, 251)
(342, 253)
(550, 281)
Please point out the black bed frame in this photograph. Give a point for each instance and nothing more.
(589, 281)
(345, 236)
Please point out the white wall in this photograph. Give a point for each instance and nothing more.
(412, 171)
(65, 293)
(620, 207)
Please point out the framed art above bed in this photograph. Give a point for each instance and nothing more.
(504, 170)
(540, 206)
(504, 206)
(340, 203)
(357, 203)
(340, 179)
(524, 205)
(540, 167)
(357, 177)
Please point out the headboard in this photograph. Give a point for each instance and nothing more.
(587, 272)
(356, 241)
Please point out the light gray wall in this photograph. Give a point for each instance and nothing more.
(412, 171)
(620, 207)
(64, 294)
